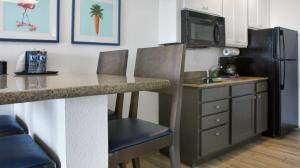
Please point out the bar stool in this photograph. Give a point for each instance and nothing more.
(20, 151)
(114, 63)
(130, 138)
(10, 125)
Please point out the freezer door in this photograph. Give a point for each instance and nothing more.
(287, 43)
(288, 96)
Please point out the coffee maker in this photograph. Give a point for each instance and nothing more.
(228, 68)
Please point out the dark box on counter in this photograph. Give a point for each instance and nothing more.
(3, 67)
(35, 61)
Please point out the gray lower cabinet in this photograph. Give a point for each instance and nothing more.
(217, 118)
(214, 140)
(261, 112)
(243, 118)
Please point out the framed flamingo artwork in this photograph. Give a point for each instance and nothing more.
(96, 22)
(29, 20)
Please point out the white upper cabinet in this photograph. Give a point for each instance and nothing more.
(213, 7)
(236, 22)
(259, 14)
(169, 21)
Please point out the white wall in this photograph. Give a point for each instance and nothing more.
(202, 59)
(286, 14)
(139, 29)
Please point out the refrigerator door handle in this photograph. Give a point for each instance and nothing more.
(282, 59)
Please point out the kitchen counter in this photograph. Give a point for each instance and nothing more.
(68, 112)
(18, 89)
(239, 80)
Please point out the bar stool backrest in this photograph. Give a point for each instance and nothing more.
(165, 62)
(113, 62)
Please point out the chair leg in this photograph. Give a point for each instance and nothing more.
(174, 156)
(112, 163)
(122, 165)
(136, 163)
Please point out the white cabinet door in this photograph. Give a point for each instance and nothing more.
(169, 21)
(241, 22)
(264, 13)
(259, 14)
(229, 14)
(236, 23)
(213, 7)
(252, 13)
(197, 5)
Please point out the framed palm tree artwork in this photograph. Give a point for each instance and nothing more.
(29, 20)
(96, 22)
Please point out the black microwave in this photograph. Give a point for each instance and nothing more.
(202, 30)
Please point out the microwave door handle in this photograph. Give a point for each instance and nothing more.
(217, 33)
(282, 58)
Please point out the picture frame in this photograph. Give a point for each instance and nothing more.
(30, 21)
(96, 22)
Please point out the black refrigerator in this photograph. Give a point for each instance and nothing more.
(273, 53)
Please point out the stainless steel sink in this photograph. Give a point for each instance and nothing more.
(224, 79)
(212, 80)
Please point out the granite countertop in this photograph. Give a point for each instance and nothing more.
(18, 89)
(239, 80)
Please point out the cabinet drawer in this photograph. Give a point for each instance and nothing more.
(215, 107)
(244, 89)
(215, 120)
(261, 86)
(215, 94)
(214, 140)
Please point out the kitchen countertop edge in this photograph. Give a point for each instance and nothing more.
(225, 83)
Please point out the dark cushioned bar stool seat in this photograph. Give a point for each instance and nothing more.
(128, 132)
(20, 151)
(9, 126)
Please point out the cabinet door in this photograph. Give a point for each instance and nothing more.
(169, 21)
(259, 14)
(252, 13)
(241, 23)
(242, 123)
(235, 13)
(261, 112)
(198, 5)
(264, 13)
(207, 6)
(215, 7)
(229, 14)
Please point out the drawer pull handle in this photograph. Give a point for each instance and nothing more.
(259, 96)
(218, 120)
(218, 134)
(218, 107)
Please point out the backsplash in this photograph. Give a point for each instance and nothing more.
(202, 59)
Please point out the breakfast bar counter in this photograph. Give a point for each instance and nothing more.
(18, 89)
(68, 112)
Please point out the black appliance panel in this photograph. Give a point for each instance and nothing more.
(202, 30)
(273, 53)
(289, 98)
(286, 43)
